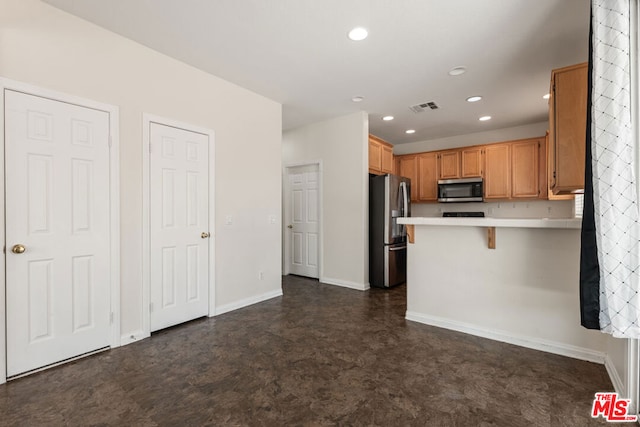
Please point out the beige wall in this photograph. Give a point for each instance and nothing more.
(342, 146)
(46, 47)
(498, 135)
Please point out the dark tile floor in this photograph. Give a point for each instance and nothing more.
(320, 355)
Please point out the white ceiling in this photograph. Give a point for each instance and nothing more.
(297, 52)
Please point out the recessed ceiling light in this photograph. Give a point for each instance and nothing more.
(547, 96)
(474, 98)
(456, 71)
(484, 118)
(358, 34)
(357, 98)
(410, 131)
(387, 118)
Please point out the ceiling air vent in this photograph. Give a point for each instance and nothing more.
(426, 105)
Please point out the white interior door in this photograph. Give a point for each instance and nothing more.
(57, 231)
(303, 227)
(179, 225)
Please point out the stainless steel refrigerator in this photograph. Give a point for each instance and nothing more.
(389, 199)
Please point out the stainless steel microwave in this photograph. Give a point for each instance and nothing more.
(460, 190)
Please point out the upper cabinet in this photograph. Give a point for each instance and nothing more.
(428, 177)
(497, 179)
(512, 170)
(525, 168)
(471, 162)
(449, 164)
(408, 168)
(380, 156)
(567, 129)
(460, 163)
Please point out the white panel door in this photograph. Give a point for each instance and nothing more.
(304, 223)
(179, 222)
(57, 208)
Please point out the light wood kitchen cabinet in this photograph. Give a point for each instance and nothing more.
(511, 170)
(387, 159)
(471, 162)
(497, 176)
(545, 176)
(380, 156)
(449, 164)
(409, 169)
(375, 157)
(567, 128)
(525, 169)
(428, 177)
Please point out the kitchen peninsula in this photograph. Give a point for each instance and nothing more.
(524, 292)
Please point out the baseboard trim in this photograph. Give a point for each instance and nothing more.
(618, 385)
(247, 302)
(503, 336)
(132, 337)
(345, 283)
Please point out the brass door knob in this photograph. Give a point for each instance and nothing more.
(18, 249)
(205, 235)
(289, 226)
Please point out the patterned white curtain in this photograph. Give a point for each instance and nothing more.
(615, 198)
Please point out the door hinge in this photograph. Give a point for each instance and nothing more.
(110, 141)
(149, 148)
(150, 307)
(554, 174)
(111, 318)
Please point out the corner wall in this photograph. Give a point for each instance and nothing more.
(44, 46)
(342, 145)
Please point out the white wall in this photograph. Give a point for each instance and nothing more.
(44, 46)
(498, 135)
(342, 145)
(525, 291)
(618, 364)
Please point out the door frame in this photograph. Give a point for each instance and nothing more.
(114, 206)
(147, 120)
(286, 217)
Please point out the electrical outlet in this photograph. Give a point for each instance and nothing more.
(272, 219)
(228, 220)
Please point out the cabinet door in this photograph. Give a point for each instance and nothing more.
(471, 160)
(375, 157)
(449, 165)
(525, 158)
(546, 170)
(428, 175)
(497, 179)
(409, 169)
(387, 159)
(569, 97)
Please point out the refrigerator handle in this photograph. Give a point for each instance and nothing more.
(405, 199)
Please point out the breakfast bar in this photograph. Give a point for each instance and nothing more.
(522, 288)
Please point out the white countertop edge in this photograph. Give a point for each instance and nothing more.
(495, 222)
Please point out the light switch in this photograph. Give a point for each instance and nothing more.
(272, 219)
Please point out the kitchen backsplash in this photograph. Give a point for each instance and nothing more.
(530, 209)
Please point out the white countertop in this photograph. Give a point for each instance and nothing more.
(575, 223)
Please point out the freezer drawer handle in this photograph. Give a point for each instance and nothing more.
(398, 249)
